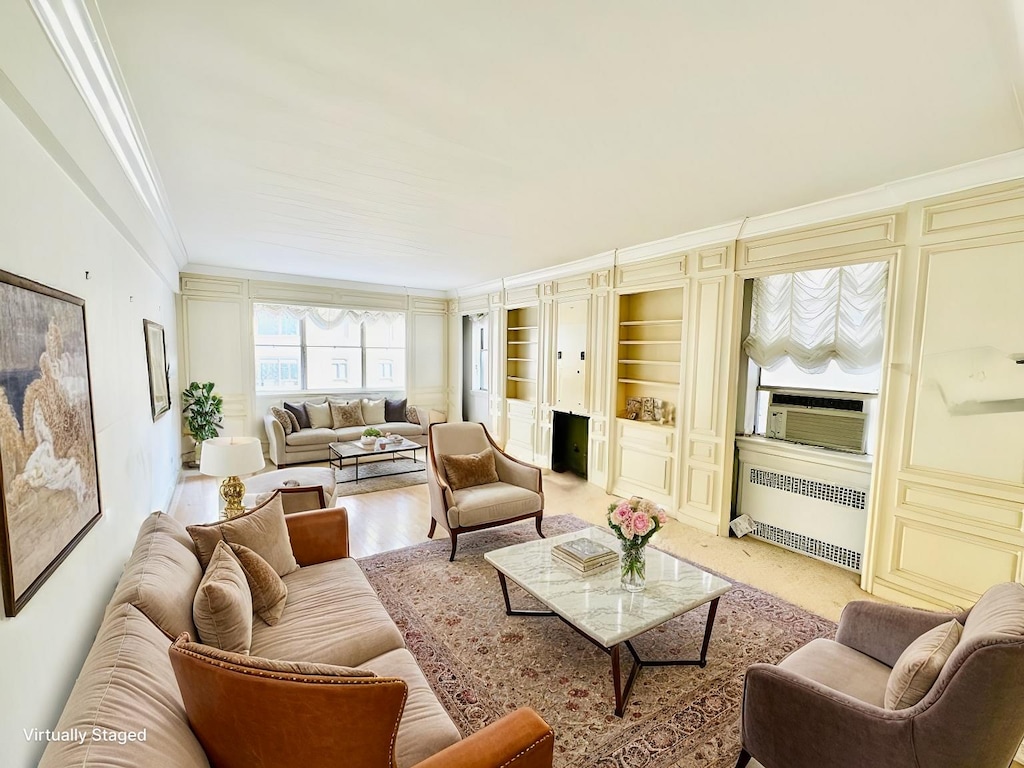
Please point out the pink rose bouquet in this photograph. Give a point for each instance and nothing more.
(635, 520)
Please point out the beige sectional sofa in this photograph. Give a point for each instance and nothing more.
(310, 443)
(331, 616)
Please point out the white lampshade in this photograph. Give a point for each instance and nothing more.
(231, 456)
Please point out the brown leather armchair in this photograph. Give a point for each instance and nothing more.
(518, 495)
(823, 705)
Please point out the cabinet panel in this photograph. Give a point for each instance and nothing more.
(644, 273)
(522, 294)
(924, 553)
(223, 357)
(707, 364)
(212, 286)
(571, 318)
(979, 214)
(812, 244)
(653, 471)
(644, 437)
(967, 508)
(700, 487)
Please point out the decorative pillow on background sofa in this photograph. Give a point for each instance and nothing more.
(283, 418)
(469, 470)
(269, 593)
(373, 411)
(320, 415)
(411, 415)
(222, 608)
(350, 415)
(263, 530)
(918, 667)
(298, 411)
(394, 410)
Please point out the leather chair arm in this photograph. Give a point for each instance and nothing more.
(518, 740)
(884, 631)
(318, 535)
(792, 721)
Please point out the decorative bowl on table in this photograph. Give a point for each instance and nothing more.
(367, 442)
(395, 439)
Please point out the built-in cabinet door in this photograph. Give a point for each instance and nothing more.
(571, 327)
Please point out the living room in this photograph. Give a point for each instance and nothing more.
(545, 197)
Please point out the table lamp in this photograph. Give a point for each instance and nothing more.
(229, 457)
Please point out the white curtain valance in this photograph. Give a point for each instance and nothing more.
(818, 316)
(328, 317)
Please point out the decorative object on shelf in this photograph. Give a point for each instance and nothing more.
(202, 409)
(159, 373)
(667, 413)
(633, 407)
(229, 457)
(647, 409)
(635, 521)
(49, 486)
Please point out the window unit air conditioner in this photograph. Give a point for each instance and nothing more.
(830, 422)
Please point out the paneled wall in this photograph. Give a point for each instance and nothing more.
(946, 505)
(216, 339)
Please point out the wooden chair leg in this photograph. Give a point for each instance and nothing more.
(433, 527)
(455, 543)
(744, 759)
(540, 518)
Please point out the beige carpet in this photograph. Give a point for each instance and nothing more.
(483, 664)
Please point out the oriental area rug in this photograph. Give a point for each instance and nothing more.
(483, 664)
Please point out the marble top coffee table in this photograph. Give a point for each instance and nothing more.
(355, 450)
(596, 606)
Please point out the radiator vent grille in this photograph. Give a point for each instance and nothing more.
(814, 489)
(822, 550)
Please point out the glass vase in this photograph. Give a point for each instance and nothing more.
(634, 566)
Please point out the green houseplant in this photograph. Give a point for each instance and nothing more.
(202, 409)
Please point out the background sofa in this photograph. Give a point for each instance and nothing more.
(332, 616)
(310, 443)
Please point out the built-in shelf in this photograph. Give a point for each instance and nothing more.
(651, 424)
(650, 382)
(522, 353)
(650, 348)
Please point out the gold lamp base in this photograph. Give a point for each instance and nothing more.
(232, 490)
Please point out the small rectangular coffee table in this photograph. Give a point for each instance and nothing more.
(355, 451)
(596, 605)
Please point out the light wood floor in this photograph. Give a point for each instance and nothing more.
(387, 520)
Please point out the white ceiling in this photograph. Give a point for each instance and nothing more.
(443, 144)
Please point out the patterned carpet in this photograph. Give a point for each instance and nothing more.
(483, 664)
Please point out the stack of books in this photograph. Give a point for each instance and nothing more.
(584, 555)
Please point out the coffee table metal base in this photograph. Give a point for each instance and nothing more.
(337, 462)
(622, 692)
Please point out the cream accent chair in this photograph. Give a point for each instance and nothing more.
(518, 494)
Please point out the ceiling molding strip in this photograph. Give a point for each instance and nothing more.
(77, 41)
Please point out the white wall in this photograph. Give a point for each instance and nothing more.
(50, 232)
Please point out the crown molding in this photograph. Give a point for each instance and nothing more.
(604, 260)
(977, 173)
(479, 289)
(83, 48)
(279, 277)
(716, 235)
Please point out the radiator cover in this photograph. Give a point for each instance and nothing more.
(818, 517)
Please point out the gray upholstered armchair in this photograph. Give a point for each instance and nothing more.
(823, 705)
(517, 494)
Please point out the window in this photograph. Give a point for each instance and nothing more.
(324, 348)
(479, 336)
(821, 330)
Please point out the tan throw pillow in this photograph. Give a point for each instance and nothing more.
(269, 593)
(412, 415)
(319, 415)
(373, 411)
(918, 667)
(472, 469)
(350, 415)
(283, 418)
(263, 530)
(293, 421)
(222, 608)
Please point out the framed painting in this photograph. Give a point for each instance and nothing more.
(49, 484)
(156, 362)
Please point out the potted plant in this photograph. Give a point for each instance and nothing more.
(202, 409)
(370, 435)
